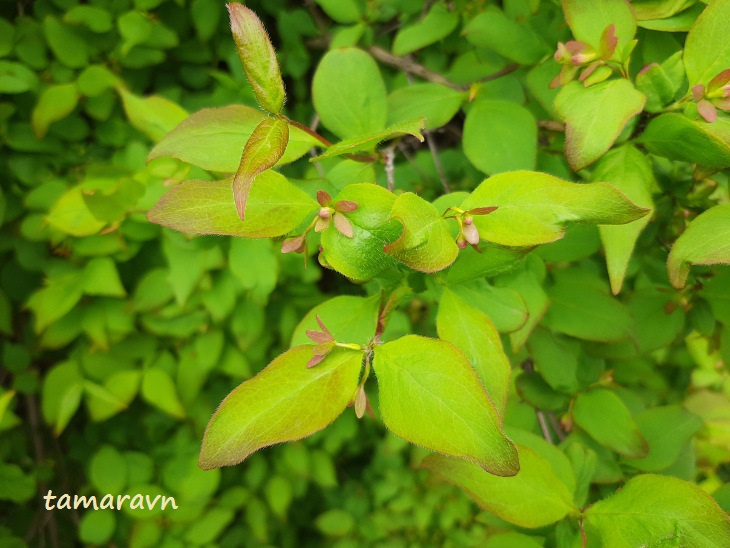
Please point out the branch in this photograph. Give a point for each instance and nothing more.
(411, 67)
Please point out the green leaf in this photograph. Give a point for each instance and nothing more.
(350, 319)
(71, 215)
(528, 282)
(534, 207)
(661, 83)
(101, 278)
(342, 11)
(667, 429)
(67, 44)
(707, 50)
(681, 22)
(108, 470)
(437, 103)
(213, 139)
(349, 93)
(335, 523)
(500, 136)
(154, 116)
(677, 137)
(256, 265)
(263, 150)
(159, 390)
(651, 510)
(658, 9)
(95, 19)
(602, 414)
(368, 141)
(63, 387)
(55, 103)
(135, 28)
(556, 359)
(514, 40)
(494, 260)
(285, 402)
(16, 78)
(206, 207)
(587, 312)
(257, 57)
(15, 486)
(588, 20)
(534, 498)
(595, 117)
(437, 24)
(97, 528)
(629, 171)
(426, 243)
(362, 257)
(431, 396)
(504, 306)
(56, 299)
(706, 241)
(473, 333)
(94, 80)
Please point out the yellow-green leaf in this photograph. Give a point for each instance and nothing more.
(532, 208)
(285, 402)
(430, 395)
(426, 243)
(206, 207)
(706, 241)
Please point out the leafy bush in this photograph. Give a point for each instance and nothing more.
(553, 332)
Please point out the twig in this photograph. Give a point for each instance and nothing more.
(318, 19)
(436, 162)
(390, 167)
(406, 65)
(313, 151)
(557, 428)
(40, 456)
(544, 427)
(504, 72)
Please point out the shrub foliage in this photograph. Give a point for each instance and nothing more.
(498, 231)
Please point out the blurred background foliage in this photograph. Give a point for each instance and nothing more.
(119, 338)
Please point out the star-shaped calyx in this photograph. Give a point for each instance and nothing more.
(330, 212)
(713, 97)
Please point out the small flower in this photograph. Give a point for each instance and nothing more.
(577, 56)
(329, 212)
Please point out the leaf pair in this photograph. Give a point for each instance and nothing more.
(429, 395)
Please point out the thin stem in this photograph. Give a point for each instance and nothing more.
(326, 142)
(544, 427)
(556, 426)
(409, 66)
(504, 72)
(436, 162)
(390, 167)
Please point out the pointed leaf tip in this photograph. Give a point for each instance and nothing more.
(257, 57)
